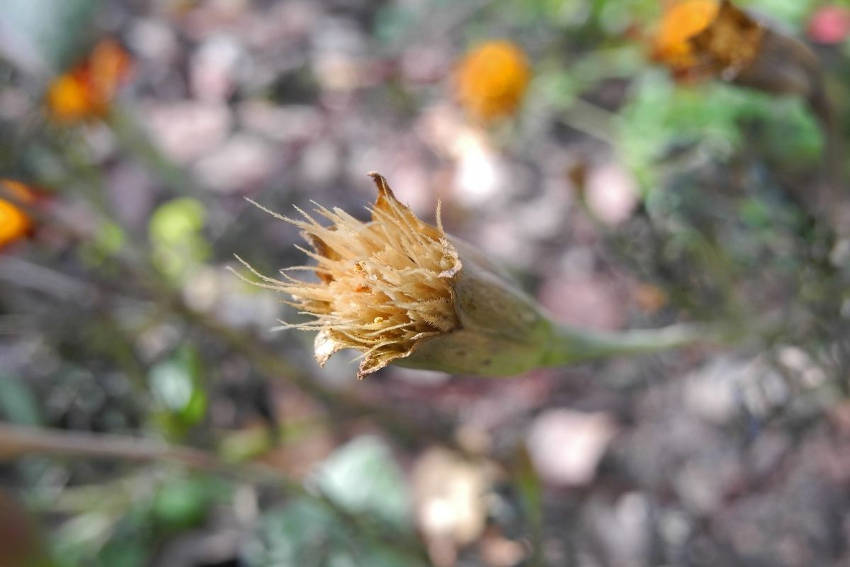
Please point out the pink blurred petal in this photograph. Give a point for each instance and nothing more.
(829, 25)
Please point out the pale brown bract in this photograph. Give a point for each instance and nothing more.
(383, 287)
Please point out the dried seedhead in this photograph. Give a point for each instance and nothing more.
(383, 287)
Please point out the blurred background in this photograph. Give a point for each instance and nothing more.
(150, 415)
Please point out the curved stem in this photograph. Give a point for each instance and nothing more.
(570, 345)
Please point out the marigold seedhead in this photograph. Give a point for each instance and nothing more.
(402, 291)
(87, 90)
(383, 287)
(491, 80)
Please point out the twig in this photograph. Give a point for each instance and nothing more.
(591, 119)
(18, 441)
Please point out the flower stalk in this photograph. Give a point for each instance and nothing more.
(402, 291)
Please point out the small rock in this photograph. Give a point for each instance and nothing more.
(611, 193)
(566, 446)
(242, 162)
(284, 124)
(449, 496)
(213, 68)
(187, 130)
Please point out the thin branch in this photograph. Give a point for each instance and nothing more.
(18, 441)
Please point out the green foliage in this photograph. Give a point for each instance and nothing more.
(363, 478)
(17, 402)
(178, 244)
(716, 120)
(179, 391)
(184, 502)
(47, 34)
(789, 12)
(108, 241)
(305, 533)
(360, 477)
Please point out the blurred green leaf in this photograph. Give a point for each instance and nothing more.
(124, 553)
(108, 241)
(45, 35)
(184, 502)
(713, 118)
(243, 445)
(17, 402)
(177, 387)
(789, 12)
(363, 477)
(176, 220)
(79, 536)
(307, 533)
(175, 232)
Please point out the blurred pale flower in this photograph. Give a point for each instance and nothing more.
(450, 501)
(14, 223)
(611, 193)
(87, 90)
(566, 446)
(480, 175)
(491, 80)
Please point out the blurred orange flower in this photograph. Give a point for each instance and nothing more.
(705, 38)
(14, 223)
(681, 22)
(87, 90)
(491, 80)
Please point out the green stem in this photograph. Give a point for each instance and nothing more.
(570, 345)
(17, 441)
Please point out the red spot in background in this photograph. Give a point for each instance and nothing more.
(829, 25)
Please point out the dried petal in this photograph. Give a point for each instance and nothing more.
(384, 285)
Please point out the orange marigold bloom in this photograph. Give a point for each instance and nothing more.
(14, 223)
(706, 38)
(681, 22)
(87, 90)
(490, 80)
